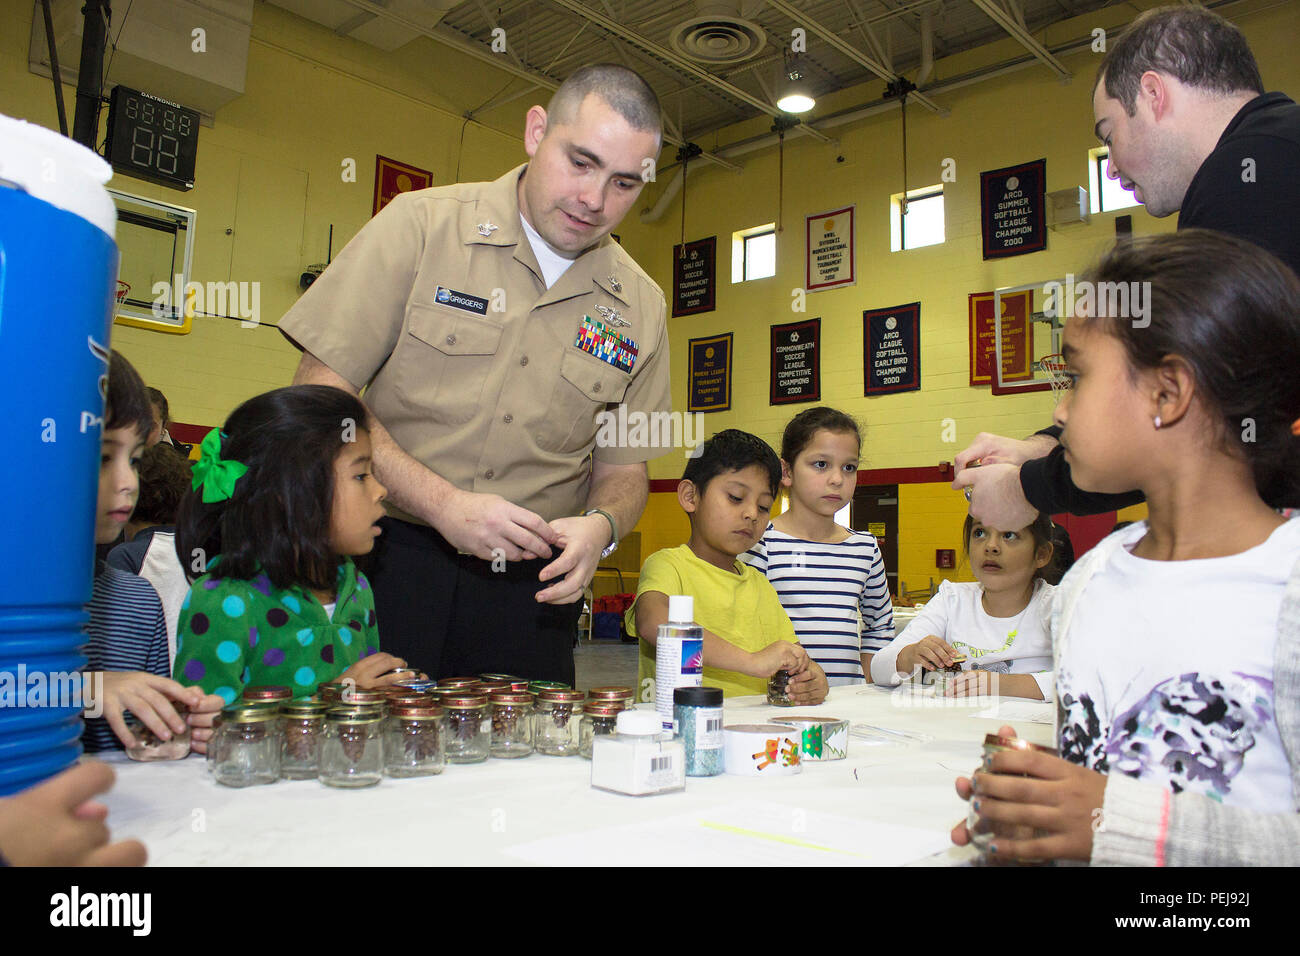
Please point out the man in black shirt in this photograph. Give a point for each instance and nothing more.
(1180, 104)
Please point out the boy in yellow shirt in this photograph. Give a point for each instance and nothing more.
(727, 494)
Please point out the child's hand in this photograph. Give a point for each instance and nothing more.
(778, 656)
(976, 683)
(149, 697)
(57, 824)
(1027, 789)
(200, 720)
(375, 671)
(931, 652)
(809, 687)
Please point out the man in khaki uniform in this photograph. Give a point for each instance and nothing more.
(490, 324)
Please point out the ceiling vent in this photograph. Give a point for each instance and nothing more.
(718, 35)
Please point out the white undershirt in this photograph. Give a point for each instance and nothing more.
(329, 609)
(553, 264)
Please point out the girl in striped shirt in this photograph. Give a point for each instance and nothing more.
(831, 580)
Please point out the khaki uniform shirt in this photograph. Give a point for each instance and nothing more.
(438, 308)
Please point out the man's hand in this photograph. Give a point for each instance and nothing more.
(989, 449)
(582, 540)
(57, 823)
(483, 525)
(997, 500)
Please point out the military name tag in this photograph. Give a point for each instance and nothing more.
(461, 300)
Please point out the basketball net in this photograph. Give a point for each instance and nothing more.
(1054, 366)
(123, 288)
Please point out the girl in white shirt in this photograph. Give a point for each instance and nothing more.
(996, 624)
(1176, 639)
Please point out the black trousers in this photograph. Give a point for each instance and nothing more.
(451, 615)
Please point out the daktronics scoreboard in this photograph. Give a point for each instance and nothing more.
(152, 138)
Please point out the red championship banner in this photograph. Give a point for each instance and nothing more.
(1016, 309)
(392, 177)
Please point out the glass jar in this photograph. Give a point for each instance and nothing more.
(375, 699)
(304, 726)
(413, 741)
(267, 692)
(248, 746)
(469, 727)
(557, 722)
(512, 724)
(598, 720)
(981, 830)
(352, 753)
(332, 691)
(148, 746)
(778, 694)
(697, 722)
(625, 695)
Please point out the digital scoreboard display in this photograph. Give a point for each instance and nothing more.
(152, 138)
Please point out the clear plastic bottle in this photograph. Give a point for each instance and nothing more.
(679, 655)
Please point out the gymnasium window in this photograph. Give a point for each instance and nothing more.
(753, 253)
(1107, 195)
(923, 224)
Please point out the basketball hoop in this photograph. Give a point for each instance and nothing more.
(1054, 366)
(122, 289)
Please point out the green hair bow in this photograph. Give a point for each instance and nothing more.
(216, 475)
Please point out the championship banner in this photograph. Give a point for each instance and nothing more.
(1013, 209)
(392, 177)
(1017, 307)
(695, 276)
(796, 362)
(710, 374)
(891, 344)
(830, 250)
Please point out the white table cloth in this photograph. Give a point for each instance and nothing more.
(888, 803)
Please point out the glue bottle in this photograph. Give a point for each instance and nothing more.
(679, 655)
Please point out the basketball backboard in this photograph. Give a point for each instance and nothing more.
(1041, 338)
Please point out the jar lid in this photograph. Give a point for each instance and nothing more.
(241, 714)
(303, 708)
(419, 686)
(464, 701)
(458, 682)
(414, 711)
(267, 692)
(560, 696)
(493, 686)
(1016, 743)
(536, 686)
(640, 723)
(698, 696)
(508, 678)
(353, 715)
(603, 708)
(333, 689)
(410, 700)
(359, 696)
(506, 697)
(611, 693)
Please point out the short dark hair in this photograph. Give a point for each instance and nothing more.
(626, 92)
(1040, 529)
(807, 423)
(165, 478)
(1193, 44)
(1228, 308)
(158, 398)
(278, 519)
(126, 404)
(732, 450)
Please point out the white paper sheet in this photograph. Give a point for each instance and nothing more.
(743, 834)
(1028, 711)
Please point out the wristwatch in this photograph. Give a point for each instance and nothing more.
(613, 530)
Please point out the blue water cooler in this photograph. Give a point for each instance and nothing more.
(58, 266)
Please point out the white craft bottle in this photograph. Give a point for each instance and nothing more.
(679, 655)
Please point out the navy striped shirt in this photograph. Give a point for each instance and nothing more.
(837, 596)
(127, 632)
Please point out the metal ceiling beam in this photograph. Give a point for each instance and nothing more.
(849, 50)
(452, 38)
(680, 62)
(1014, 25)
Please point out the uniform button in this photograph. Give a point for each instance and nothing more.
(451, 340)
(508, 419)
(596, 387)
(488, 474)
(524, 360)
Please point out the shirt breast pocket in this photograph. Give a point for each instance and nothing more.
(583, 389)
(447, 356)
